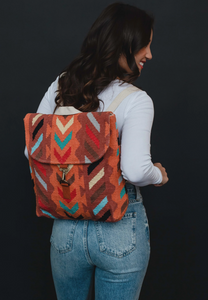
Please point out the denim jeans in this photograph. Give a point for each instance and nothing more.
(116, 254)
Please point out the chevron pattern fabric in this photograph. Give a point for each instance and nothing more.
(86, 144)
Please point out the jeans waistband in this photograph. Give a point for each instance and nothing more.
(134, 193)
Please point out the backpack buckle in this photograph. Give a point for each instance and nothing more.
(65, 185)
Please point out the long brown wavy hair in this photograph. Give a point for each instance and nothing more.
(120, 29)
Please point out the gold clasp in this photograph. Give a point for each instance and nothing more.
(65, 171)
(65, 185)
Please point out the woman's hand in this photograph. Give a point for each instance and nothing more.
(164, 174)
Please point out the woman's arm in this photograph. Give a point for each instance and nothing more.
(136, 163)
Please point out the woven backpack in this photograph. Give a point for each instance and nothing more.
(74, 160)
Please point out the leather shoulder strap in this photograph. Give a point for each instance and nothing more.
(121, 96)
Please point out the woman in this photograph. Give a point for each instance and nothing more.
(112, 57)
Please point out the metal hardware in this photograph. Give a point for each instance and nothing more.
(65, 171)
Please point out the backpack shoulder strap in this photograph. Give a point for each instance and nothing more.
(67, 110)
(112, 107)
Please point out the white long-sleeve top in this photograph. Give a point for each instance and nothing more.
(134, 119)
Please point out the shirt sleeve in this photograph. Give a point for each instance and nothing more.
(47, 103)
(136, 163)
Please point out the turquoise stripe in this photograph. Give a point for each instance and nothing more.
(98, 208)
(123, 191)
(30, 170)
(41, 180)
(37, 144)
(47, 213)
(117, 151)
(116, 125)
(65, 142)
(72, 210)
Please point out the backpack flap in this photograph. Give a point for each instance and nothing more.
(75, 139)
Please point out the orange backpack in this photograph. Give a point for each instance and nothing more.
(74, 161)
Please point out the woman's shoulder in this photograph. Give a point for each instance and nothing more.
(53, 86)
(52, 91)
(116, 86)
(121, 85)
(47, 103)
(137, 99)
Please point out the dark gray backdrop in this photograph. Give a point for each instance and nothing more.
(38, 39)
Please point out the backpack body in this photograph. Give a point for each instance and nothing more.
(75, 165)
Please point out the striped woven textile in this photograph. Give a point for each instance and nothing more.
(75, 166)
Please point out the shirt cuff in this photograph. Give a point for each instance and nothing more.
(159, 177)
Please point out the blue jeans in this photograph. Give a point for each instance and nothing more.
(116, 254)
